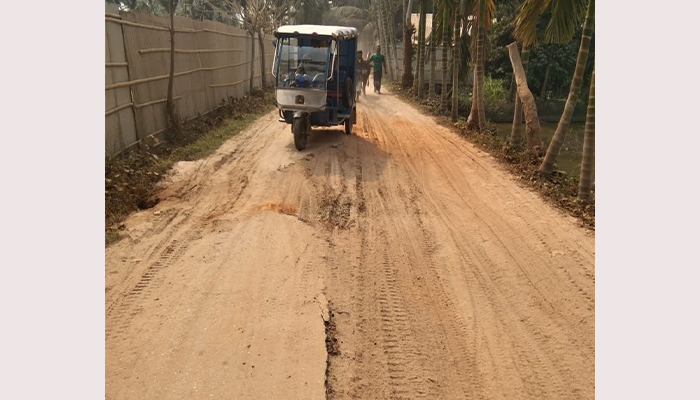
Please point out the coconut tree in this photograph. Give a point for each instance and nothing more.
(420, 65)
(565, 15)
(407, 77)
(588, 162)
(482, 13)
(381, 29)
(389, 11)
(446, 8)
(455, 68)
(433, 60)
(384, 33)
(379, 11)
(516, 133)
(527, 100)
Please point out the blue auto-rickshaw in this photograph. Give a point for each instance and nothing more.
(315, 69)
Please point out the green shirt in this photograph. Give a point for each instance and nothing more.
(378, 60)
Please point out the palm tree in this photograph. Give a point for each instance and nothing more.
(587, 164)
(392, 23)
(455, 69)
(386, 27)
(527, 100)
(446, 6)
(483, 10)
(516, 133)
(420, 66)
(390, 14)
(566, 14)
(407, 48)
(433, 61)
(383, 32)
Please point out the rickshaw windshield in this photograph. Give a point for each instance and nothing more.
(303, 62)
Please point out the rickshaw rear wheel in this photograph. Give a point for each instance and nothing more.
(349, 123)
(300, 128)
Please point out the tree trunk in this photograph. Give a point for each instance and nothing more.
(585, 184)
(480, 60)
(559, 135)
(262, 60)
(445, 46)
(392, 39)
(421, 74)
(463, 67)
(455, 71)
(543, 91)
(385, 47)
(418, 55)
(532, 121)
(387, 37)
(252, 61)
(381, 25)
(169, 104)
(516, 133)
(407, 78)
(473, 118)
(404, 4)
(477, 115)
(418, 85)
(433, 61)
(414, 86)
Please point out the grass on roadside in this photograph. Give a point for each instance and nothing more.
(209, 143)
(131, 176)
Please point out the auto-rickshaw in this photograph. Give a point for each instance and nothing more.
(314, 69)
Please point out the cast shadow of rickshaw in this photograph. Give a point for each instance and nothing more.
(352, 152)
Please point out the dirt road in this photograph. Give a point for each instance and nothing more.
(444, 278)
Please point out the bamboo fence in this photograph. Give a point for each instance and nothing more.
(212, 63)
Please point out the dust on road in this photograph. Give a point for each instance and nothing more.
(441, 277)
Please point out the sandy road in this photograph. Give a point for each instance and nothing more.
(445, 279)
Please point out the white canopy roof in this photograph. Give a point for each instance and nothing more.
(321, 30)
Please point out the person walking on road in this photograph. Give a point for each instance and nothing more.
(379, 61)
(359, 74)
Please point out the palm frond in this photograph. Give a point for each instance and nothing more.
(526, 21)
(566, 15)
(466, 7)
(489, 11)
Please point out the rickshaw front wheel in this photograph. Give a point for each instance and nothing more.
(300, 128)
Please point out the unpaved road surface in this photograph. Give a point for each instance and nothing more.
(444, 278)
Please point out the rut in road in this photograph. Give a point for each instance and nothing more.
(447, 279)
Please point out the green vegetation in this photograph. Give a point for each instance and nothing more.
(496, 98)
(555, 39)
(558, 54)
(206, 145)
